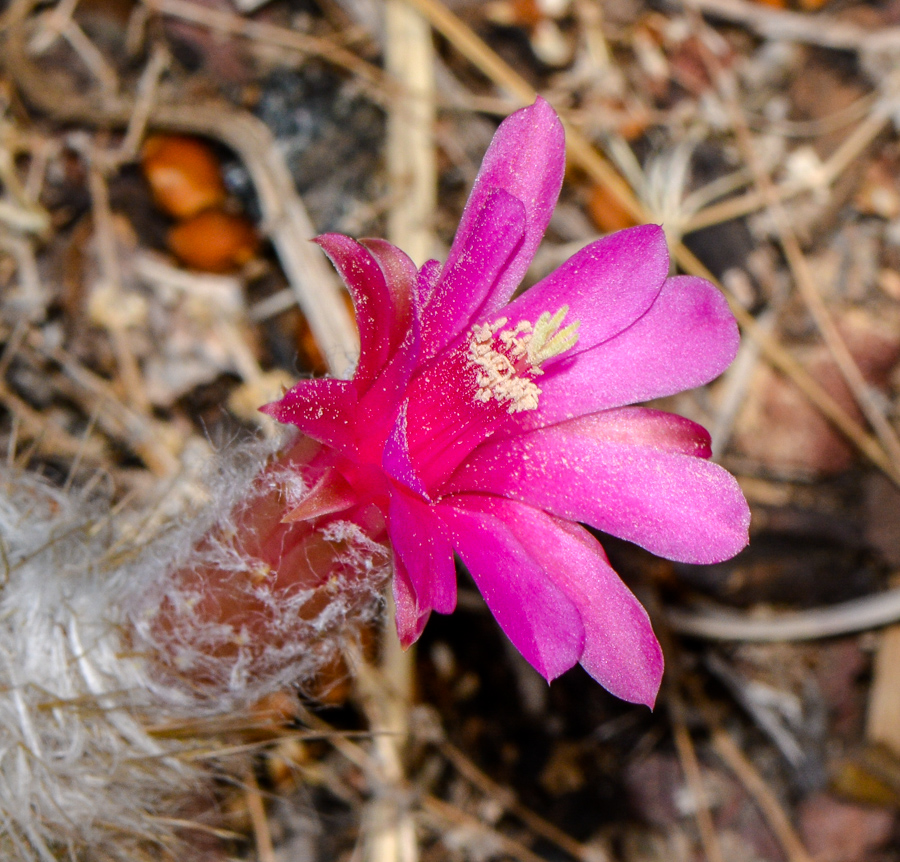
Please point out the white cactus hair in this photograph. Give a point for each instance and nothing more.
(299, 641)
(74, 757)
(83, 775)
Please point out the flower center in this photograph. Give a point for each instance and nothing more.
(506, 360)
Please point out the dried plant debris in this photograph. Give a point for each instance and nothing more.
(139, 335)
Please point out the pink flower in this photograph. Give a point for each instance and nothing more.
(491, 428)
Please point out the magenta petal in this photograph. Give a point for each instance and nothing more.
(686, 338)
(674, 505)
(427, 280)
(607, 285)
(525, 159)
(372, 300)
(420, 542)
(329, 495)
(445, 421)
(380, 403)
(325, 409)
(537, 616)
(645, 426)
(481, 263)
(410, 623)
(620, 650)
(400, 275)
(396, 460)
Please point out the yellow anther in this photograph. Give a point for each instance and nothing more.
(548, 339)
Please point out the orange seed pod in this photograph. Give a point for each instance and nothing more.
(183, 173)
(214, 241)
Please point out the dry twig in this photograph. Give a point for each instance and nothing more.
(824, 30)
(856, 615)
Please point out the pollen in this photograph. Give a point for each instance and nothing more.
(507, 359)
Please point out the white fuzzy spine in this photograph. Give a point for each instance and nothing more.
(81, 777)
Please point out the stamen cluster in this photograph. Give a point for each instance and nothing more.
(507, 360)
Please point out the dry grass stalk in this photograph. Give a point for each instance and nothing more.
(729, 751)
(853, 146)
(260, 31)
(725, 746)
(502, 796)
(411, 163)
(883, 720)
(855, 615)
(824, 30)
